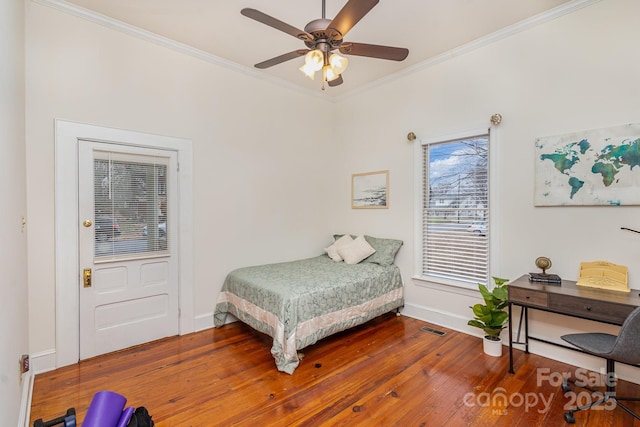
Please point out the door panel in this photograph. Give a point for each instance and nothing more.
(127, 235)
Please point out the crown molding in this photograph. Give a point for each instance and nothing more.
(496, 36)
(157, 39)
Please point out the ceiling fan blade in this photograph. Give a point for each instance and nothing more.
(276, 23)
(374, 51)
(349, 15)
(280, 59)
(336, 82)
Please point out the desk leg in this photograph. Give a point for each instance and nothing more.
(510, 343)
(524, 315)
(526, 329)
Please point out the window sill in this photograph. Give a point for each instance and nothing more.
(451, 286)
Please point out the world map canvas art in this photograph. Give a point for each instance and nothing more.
(597, 167)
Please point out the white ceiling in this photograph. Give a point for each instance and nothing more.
(426, 27)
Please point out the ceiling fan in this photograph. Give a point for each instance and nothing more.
(323, 36)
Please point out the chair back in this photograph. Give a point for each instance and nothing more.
(627, 346)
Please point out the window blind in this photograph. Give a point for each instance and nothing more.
(130, 205)
(455, 210)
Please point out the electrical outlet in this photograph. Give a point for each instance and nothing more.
(24, 363)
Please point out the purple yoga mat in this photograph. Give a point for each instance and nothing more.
(105, 410)
(125, 417)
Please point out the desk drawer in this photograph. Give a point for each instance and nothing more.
(529, 297)
(609, 312)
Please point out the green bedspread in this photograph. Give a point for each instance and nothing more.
(300, 302)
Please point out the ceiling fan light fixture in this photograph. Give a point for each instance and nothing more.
(322, 36)
(328, 74)
(338, 63)
(314, 59)
(308, 71)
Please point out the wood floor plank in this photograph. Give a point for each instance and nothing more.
(387, 372)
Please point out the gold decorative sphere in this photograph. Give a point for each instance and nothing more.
(543, 263)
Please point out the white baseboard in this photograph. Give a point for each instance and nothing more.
(203, 321)
(459, 323)
(43, 361)
(439, 317)
(25, 402)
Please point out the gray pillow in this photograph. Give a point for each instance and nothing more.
(386, 249)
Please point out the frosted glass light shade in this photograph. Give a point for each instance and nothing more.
(308, 71)
(338, 63)
(314, 59)
(328, 74)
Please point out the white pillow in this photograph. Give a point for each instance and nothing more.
(332, 250)
(356, 251)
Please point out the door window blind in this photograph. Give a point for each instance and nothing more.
(130, 205)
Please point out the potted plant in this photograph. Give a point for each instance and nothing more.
(491, 316)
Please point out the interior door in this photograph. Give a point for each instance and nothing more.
(128, 264)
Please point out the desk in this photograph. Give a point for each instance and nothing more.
(600, 305)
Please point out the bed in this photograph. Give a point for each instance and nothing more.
(300, 302)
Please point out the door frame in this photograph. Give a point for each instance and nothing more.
(67, 277)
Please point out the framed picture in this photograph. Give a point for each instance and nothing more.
(596, 167)
(370, 190)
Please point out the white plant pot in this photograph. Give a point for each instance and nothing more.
(492, 348)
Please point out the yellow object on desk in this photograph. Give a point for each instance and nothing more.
(604, 275)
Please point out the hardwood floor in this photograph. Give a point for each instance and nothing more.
(387, 372)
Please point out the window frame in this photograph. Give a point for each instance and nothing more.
(460, 134)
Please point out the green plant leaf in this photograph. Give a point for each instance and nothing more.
(501, 293)
(476, 323)
(485, 291)
(482, 312)
(500, 318)
(499, 281)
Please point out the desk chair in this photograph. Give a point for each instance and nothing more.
(624, 348)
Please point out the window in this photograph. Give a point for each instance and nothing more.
(455, 210)
(130, 204)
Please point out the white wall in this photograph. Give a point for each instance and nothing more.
(255, 162)
(577, 72)
(256, 168)
(13, 252)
